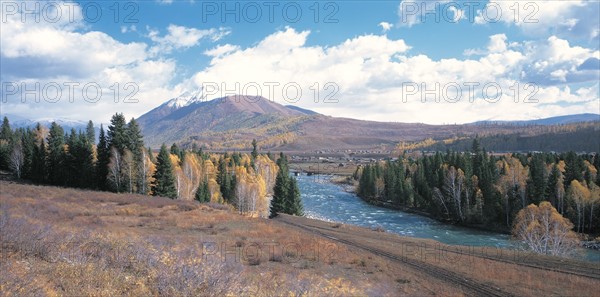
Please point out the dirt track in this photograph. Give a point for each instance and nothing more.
(474, 280)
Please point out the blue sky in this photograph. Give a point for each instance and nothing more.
(405, 61)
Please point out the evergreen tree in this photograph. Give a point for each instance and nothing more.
(164, 184)
(151, 155)
(203, 193)
(536, 183)
(90, 132)
(87, 159)
(280, 191)
(286, 194)
(118, 133)
(135, 145)
(175, 150)
(135, 139)
(5, 130)
(6, 136)
(103, 152)
(28, 142)
(226, 181)
(56, 157)
(294, 200)
(254, 149)
(38, 165)
(573, 168)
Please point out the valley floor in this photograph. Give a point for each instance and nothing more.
(67, 242)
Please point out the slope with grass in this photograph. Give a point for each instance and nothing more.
(58, 241)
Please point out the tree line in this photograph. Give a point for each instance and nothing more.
(120, 162)
(477, 188)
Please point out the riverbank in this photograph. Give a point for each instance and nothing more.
(349, 185)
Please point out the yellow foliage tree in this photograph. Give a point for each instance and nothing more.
(544, 230)
(581, 195)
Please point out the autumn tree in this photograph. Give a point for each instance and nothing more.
(146, 169)
(544, 230)
(580, 195)
(17, 159)
(115, 170)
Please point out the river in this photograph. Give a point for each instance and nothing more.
(326, 201)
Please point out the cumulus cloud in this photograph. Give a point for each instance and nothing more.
(43, 59)
(566, 19)
(374, 77)
(180, 37)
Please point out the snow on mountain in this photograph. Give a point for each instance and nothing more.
(185, 99)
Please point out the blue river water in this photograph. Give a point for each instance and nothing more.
(326, 201)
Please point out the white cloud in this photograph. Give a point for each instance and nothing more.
(41, 55)
(566, 19)
(180, 37)
(126, 29)
(385, 26)
(373, 75)
(221, 50)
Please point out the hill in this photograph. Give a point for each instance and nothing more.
(230, 123)
(69, 242)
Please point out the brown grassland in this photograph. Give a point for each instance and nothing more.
(67, 242)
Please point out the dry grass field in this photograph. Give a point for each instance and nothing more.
(67, 242)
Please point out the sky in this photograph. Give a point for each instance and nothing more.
(435, 62)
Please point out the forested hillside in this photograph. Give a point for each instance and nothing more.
(582, 137)
(120, 162)
(482, 189)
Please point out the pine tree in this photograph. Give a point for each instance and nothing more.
(573, 168)
(6, 136)
(164, 180)
(254, 149)
(295, 201)
(28, 142)
(56, 161)
(226, 181)
(103, 152)
(203, 193)
(117, 133)
(5, 130)
(90, 133)
(38, 160)
(280, 191)
(286, 195)
(135, 139)
(135, 144)
(177, 152)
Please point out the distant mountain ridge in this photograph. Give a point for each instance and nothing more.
(232, 122)
(558, 120)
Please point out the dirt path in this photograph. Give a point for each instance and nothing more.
(382, 245)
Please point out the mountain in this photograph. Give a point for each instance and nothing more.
(17, 121)
(559, 120)
(303, 110)
(232, 122)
